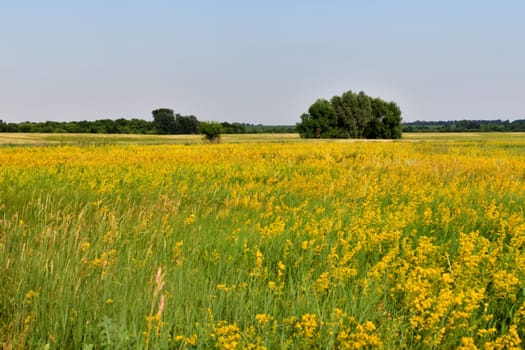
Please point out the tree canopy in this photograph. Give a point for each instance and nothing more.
(351, 115)
(211, 130)
(164, 120)
(167, 122)
(174, 124)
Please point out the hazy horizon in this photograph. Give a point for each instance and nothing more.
(261, 63)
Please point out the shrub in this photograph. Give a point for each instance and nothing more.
(211, 131)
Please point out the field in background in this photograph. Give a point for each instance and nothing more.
(112, 243)
(57, 139)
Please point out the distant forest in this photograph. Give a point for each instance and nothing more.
(136, 126)
(140, 126)
(464, 126)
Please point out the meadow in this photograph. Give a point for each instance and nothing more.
(279, 243)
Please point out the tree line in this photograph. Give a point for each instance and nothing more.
(351, 115)
(465, 126)
(179, 124)
(165, 121)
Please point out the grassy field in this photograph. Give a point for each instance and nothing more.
(13, 139)
(126, 242)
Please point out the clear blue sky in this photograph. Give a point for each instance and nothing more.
(259, 61)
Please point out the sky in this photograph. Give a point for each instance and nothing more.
(261, 62)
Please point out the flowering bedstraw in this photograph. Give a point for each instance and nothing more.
(341, 245)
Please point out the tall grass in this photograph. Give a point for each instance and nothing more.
(296, 245)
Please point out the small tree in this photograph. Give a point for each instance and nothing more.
(211, 131)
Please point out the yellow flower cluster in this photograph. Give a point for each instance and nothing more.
(227, 336)
(307, 326)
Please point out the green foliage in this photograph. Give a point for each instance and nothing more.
(351, 116)
(114, 336)
(164, 120)
(211, 131)
(465, 126)
(186, 124)
(101, 126)
(167, 122)
(320, 121)
(247, 128)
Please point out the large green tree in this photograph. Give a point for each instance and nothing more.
(363, 113)
(351, 115)
(164, 120)
(186, 124)
(392, 121)
(320, 121)
(344, 106)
